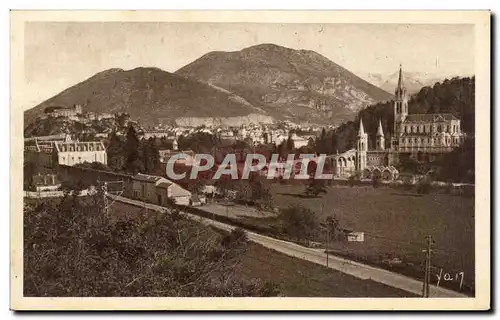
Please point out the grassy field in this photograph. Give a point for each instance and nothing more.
(395, 224)
(296, 278)
(299, 278)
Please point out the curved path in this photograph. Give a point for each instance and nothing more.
(318, 256)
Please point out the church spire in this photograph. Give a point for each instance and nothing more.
(400, 79)
(361, 128)
(380, 131)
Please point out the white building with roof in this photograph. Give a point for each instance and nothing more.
(55, 150)
(72, 153)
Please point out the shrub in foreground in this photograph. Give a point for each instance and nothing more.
(72, 249)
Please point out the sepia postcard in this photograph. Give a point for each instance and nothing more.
(250, 160)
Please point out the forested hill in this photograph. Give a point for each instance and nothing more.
(454, 96)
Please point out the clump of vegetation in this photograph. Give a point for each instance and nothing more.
(424, 186)
(376, 181)
(449, 188)
(407, 185)
(94, 166)
(72, 249)
(351, 181)
(299, 222)
(315, 186)
(335, 232)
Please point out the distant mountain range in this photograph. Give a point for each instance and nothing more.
(259, 83)
(414, 81)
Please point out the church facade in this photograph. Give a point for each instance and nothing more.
(420, 136)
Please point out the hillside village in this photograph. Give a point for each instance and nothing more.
(398, 150)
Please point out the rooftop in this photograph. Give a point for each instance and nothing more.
(430, 117)
(164, 185)
(146, 178)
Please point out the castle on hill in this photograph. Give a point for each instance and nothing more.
(420, 136)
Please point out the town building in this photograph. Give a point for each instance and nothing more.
(299, 142)
(158, 190)
(58, 111)
(50, 151)
(72, 153)
(187, 160)
(158, 134)
(46, 182)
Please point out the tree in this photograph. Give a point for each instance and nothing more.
(196, 186)
(298, 222)
(243, 191)
(236, 239)
(94, 165)
(424, 186)
(334, 146)
(458, 165)
(290, 145)
(133, 162)
(30, 168)
(224, 185)
(321, 143)
(315, 186)
(150, 156)
(261, 193)
(333, 226)
(201, 142)
(283, 150)
(115, 152)
(74, 188)
(376, 181)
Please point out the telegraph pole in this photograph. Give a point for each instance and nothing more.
(327, 244)
(105, 190)
(327, 238)
(106, 205)
(427, 277)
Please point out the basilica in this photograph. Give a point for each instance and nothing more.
(420, 136)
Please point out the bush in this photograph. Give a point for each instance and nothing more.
(467, 191)
(299, 222)
(351, 181)
(315, 186)
(424, 186)
(72, 250)
(407, 185)
(449, 189)
(238, 238)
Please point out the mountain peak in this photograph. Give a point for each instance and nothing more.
(149, 94)
(267, 47)
(108, 72)
(293, 84)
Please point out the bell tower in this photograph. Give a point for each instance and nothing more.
(362, 147)
(400, 108)
(380, 137)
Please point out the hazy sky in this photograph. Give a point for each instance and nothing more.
(61, 54)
